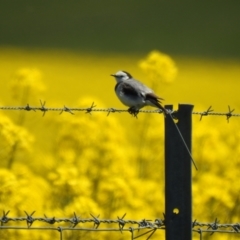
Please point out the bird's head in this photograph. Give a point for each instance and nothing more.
(121, 76)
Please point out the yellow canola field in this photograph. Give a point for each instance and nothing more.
(111, 165)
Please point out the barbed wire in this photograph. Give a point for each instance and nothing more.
(149, 225)
(75, 220)
(120, 224)
(209, 111)
(92, 108)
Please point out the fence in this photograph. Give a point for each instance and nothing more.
(177, 220)
(92, 108)
(117, 225)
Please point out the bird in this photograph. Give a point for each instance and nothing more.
(134, 94)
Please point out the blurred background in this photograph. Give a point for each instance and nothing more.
(92, 39)
(63, 52)
(200, 28)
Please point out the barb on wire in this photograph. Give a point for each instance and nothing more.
(4, 217)
(50, 220)
(89, 110)
(75, 220)
(121, 222)
(95, 221)
(206, 112)
(214, 226)
(43, 109)
(112, 110)
(229, 114)
(29, 219)
(66, 109)
(146, 223)
(194, 223)
(28, 108)
(159, 222)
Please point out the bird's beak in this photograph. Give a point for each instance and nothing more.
(113, 75)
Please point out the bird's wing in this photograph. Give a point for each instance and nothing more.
(140, 87)
(127, 88)
(143, 89)
(153, 97)
(155, 100)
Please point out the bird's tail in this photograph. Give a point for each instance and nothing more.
(155, 101)
(158, 104)
(164, 110)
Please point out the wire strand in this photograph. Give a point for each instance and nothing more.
(181, 136)
(92, 108)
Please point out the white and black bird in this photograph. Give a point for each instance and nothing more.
(134, 94)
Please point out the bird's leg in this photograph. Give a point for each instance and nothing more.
(133, 111)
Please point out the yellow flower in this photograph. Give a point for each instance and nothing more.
(159, 66)
(26, 82)
(11, 133)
